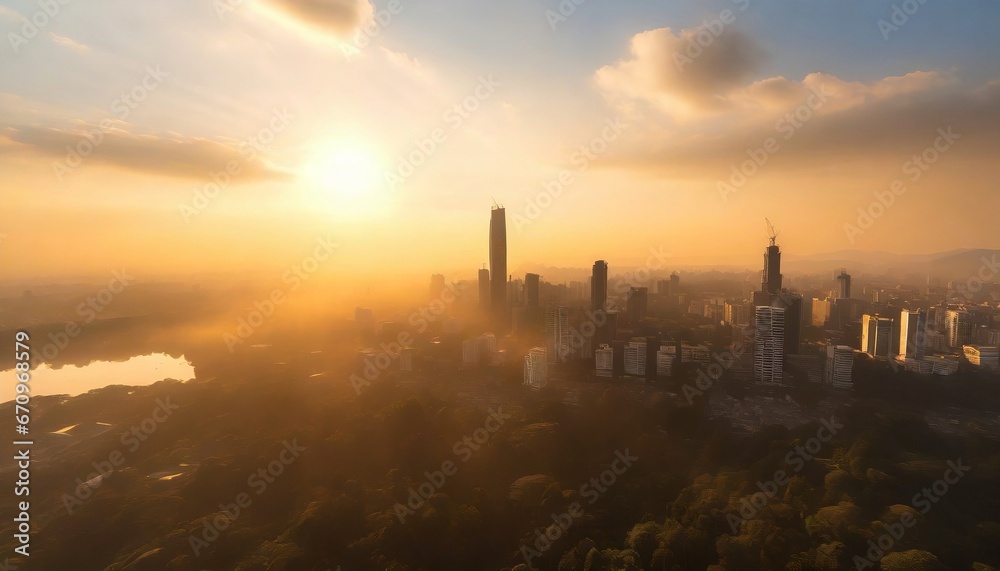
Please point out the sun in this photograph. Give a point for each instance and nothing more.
(344, 176)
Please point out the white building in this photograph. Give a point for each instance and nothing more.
(635, 357)
(536, 369)
(604, 359)
(769, 350)
(665, 358)
(839, 366)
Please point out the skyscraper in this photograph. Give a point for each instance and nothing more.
(958, 326)
(498, 264)
(531, 290)
(771, 277)
(876, 335)
(484, 290)
(912, 334)
(557, 334)
(637, 304)
(599, 286)
(845, 285)
(769, 349)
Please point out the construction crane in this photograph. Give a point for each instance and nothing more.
(772, 233)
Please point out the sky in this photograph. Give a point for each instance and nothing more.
(227, 136)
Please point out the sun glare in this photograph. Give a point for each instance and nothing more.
(348, 178)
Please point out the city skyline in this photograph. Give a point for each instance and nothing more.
(568, 138)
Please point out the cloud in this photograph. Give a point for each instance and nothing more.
(698, 109)
(68, 43)
(683, 71)
(160, 154)
(861, 123)
(338, 17)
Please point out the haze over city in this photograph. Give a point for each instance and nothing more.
(532, 285)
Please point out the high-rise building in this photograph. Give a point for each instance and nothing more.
(769, 349)
(912, 334)
(876, 335)
(958, 324)
(531, 290)
(484, 289)
(557, 333)
(498, 264)
(792, 304)
(820, 312)
(635, 357)
(536, 367)
(845, 285)
(771, 276)
(839, 365)
(637, 305)
(599, 286)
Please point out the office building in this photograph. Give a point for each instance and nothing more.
(498, 265)
(912, 334)
(637, 305)
(665, 357)
(635, 357)
(958, 324)
(557, 334)
(769, 350)
(604, 360)
(876, 335)
(844, 280)
(531, 283)
(839, 366)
